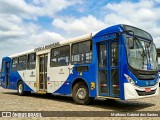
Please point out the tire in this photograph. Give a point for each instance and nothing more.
(20, 89)
(80, 94)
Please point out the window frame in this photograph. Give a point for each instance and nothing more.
(59, 56)
(28, 61)
(14, 64)
(91, 52)
(114, 57)
(18, 63)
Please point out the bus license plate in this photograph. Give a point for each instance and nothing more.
(148, 89)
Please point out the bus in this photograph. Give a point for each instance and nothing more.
(158, 56)
(118, 62)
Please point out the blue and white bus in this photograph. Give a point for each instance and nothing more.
(118, 62)
(158, 56)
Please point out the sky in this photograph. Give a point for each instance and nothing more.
(26, 24)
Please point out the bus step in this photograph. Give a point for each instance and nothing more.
(41, 92)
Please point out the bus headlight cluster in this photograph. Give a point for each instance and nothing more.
(129, 79)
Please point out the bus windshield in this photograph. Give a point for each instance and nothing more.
(159, 63)
(141, 54)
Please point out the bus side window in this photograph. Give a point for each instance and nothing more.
(82, 52)
(22, 62)
(60, 56)
(14, 64)
(31, 61)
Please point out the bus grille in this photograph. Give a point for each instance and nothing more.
(143, 93)
(144, 74)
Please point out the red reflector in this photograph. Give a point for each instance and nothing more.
(103, 84)
(48, 83)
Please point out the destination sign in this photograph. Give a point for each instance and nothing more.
(109, 36)
(47, 46)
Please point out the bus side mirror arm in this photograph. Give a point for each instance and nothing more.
(128, 32)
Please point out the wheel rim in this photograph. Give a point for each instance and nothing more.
(20, 88)
(81, 93)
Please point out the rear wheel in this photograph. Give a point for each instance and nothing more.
(80, 94)
(20, 88)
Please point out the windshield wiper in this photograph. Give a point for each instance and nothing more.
(148, 52)
(143, 51)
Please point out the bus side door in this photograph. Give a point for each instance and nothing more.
(108, 73)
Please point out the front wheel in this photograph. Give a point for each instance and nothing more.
(80, 94)
(20, 88)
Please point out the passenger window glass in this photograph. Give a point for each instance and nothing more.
(60, 56)
(31, 61)
(14, 64)
(102, 55)
(22, 63)
(114, 54)
(115, 81)
(82, 52)
(103, 81)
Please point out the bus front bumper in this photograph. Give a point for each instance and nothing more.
(135, 92)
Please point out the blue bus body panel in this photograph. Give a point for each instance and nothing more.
(14, 79)
(88, 77)
(13, 82)
(112, 29)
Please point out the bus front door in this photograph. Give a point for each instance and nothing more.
(108, 76)
(7, 73)
(43, 72)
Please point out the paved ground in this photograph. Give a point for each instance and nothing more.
(10, 101)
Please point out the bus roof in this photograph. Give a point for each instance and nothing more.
(68, 41)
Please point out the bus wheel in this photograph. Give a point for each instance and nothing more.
(20, 88)
(80, 94)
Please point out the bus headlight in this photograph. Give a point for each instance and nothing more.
(129, 79)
